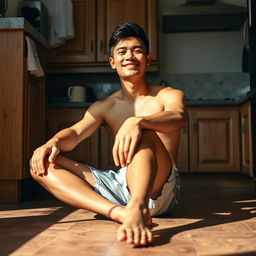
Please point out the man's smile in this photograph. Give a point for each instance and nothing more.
(130, 65)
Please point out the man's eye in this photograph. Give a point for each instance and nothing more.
(138, 51)
(121, 52)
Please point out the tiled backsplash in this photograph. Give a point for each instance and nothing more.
(196, 86)
(209, 85)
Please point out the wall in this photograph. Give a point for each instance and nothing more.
(12, 8)
(199, 52)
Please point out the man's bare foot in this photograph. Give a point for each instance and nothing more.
(136, 219)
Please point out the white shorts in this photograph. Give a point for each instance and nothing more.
(112, 185)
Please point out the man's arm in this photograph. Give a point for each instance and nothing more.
(68, 138)
(171, 119)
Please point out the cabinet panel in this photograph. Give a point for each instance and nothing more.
(82, 48)
(219, 139)
(21, 117)
(246, 140)
(87, 151)
(94, 22)
(35, 115)
(11, 103)
(106, 144)
(214, 140)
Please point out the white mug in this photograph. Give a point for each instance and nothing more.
(76, 93)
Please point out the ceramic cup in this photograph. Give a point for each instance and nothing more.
(76, 93)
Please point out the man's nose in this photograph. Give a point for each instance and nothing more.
(129, 54)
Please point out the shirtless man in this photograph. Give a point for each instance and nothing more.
(144, 121)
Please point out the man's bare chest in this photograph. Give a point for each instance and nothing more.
(117, 115)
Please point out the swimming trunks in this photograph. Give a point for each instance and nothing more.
(112, 186)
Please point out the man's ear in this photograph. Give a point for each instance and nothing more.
(149, 59)
(112, 62)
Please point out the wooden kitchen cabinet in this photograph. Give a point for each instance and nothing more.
(95, 150)
(21, 118)
(88, 150)
(246, 140)
(94, 22)
(214, 139)
(83, 47)
(113, 12)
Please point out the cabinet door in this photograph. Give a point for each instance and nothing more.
(182, 155)
(82, 47)
(11, 106)
(214, 140)
(106, 145)
(112, 12)
(34, 116)
(246, 140)
(88, 150)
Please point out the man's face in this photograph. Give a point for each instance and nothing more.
(129, 57)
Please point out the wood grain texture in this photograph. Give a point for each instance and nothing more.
(94, 22)
(214, 139)
(83, 47)
(88, 150)
(11, 103)
(21, 114)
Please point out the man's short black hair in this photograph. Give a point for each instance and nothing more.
(125, 30)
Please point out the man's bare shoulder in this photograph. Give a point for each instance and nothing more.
(164, 91)
(100, 106)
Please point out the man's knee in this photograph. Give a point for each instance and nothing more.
(149, 138)
(48, 168)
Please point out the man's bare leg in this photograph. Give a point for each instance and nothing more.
(146, 175)
(73, 184)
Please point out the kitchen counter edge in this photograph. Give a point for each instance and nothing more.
(23, 24)
(189, 103)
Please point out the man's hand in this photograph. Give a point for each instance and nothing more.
(37, 160)
(126, 141)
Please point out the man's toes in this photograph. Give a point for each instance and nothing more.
(121, 235)
(129, 236)
(143, 237)
(149, 236)
(137, 234)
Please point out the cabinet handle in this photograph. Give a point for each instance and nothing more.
(246, 35)
(249, 13)
(184, 130)
(242, 127)
(194, 126)
(101, 45)
(92, 45)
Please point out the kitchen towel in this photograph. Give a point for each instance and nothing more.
(61, 25)
(33, 63)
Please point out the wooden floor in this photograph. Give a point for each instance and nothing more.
(208, 221)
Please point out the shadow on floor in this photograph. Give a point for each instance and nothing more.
(212, 208)
(15, 231)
